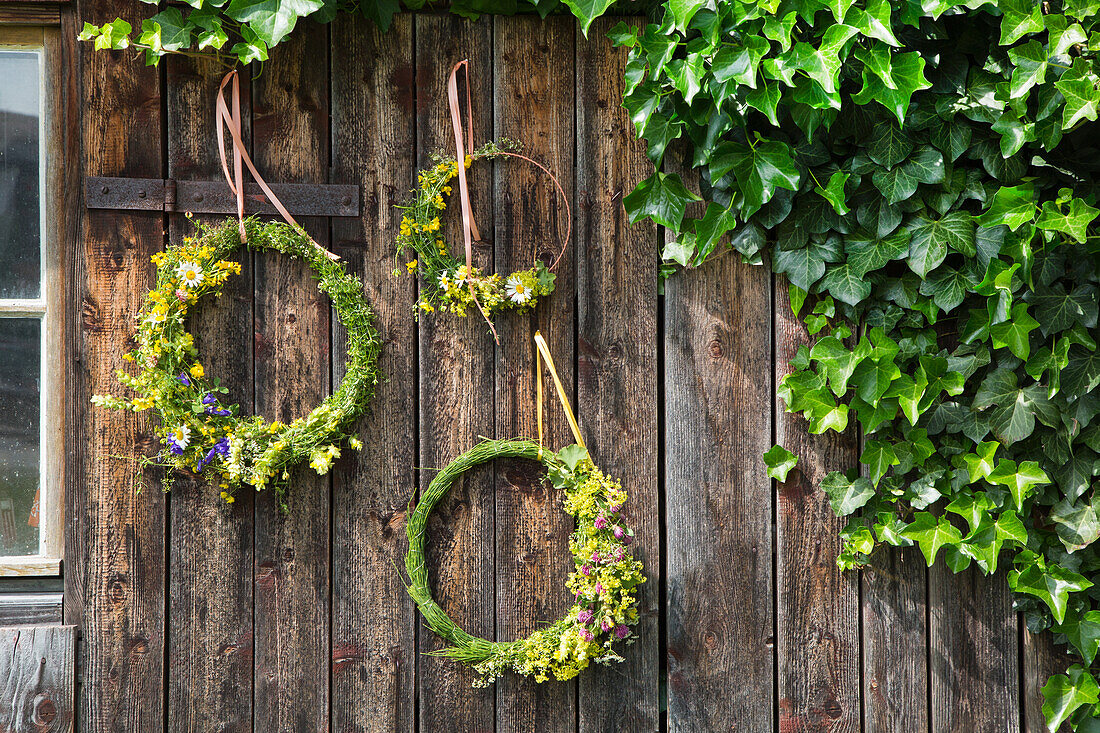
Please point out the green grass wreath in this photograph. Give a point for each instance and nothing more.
(603, 584)
(198, 431)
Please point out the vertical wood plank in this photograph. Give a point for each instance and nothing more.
(533, 76)
(718, 417)
(818, 606)
(292, 552)
(895, 641)
(1042, 658)
(373, 618)
(456, 391)
(121, 530)
(974, 652)
(37, 678)
(210, 542)
(617, 362)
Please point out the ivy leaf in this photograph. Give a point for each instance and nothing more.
(834, 192)
(931, 238)
(845, 283)
(895, 184)
(682, 12)
(907, 73)
(878, 456)
(271, 20)
(1012, 206)
(1052, 586)
(931, 533)
(1019, 17)
(803, 267)
(587, 11)
(759, 170)
(779, 461)
(889, 145)
(948, 287)
(1084, 634)
(874, 21)
(837, 362)
(1014, 333)
(926, 165)
(1031, 64)
(872, 379)
(1074, 222)
(880, 218)
(1078, 86)
(661, 197)
(739, 63)
(765, 99)
(1076, 524)
(868, 255)
(846, 496)
(1063, 694)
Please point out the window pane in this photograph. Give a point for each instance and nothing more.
(20, 226)
(20, 367)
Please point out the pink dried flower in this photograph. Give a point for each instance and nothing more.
(605, 625)
(585, 616)
(620, 554)
(587, 635)
(614, 508)
(619, 532)
(622, 631)
(599, 588)
(595, 557)
(601, 522)
(586, 570)
(181, 294)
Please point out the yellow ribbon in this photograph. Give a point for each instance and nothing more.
(544, 356)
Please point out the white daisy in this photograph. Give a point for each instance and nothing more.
(516, 290)
(444, 280)
(190, 274)
(181, 436)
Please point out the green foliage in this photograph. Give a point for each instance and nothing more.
(920, 174)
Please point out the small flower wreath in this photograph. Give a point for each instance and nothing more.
(603, 584)
(449, 284)
(198, 431)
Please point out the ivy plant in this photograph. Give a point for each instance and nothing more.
(919, 173)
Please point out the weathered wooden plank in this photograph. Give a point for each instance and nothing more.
(37, 675)
(718, 416)
(292, 552)
(1042, 658)
(30, 608)
(533, 76)
(119, 597)
(210, 542)
(456, 390)
(895, 641)
(818, 606)
(373, 618)
(617, 362)
(975, 682)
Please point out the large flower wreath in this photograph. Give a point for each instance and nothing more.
(198, 431)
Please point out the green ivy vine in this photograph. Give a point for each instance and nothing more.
(920, 172)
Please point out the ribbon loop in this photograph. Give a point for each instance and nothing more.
(544, 356)
(231, 120)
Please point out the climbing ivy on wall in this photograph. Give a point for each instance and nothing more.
(923, 173)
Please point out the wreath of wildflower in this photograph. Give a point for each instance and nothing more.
(449, 284)
(603, 583)
(199, 432)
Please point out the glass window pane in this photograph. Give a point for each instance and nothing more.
(20, 369)
(20, 171)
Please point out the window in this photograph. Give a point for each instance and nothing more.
(30, 309)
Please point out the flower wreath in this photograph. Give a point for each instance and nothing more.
(198, 431)
(449, 283)
(603, 584)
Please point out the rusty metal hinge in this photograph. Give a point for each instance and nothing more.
(214, 197)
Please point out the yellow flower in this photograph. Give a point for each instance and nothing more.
(426, 307)
(142, 403)
(469, 160)
(433, 225)
(411, 266)
(197, 371)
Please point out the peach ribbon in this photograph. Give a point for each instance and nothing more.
(231, 120)
(543, 356)
(470, 232)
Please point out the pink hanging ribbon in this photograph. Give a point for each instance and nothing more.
(470, 233)
(231, 120)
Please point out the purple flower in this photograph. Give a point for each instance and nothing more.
(628, 539)
(586, 570)
(184, 379)
(595, 557)
(619, 532)
(599, 588)
(209, 399)
(176, 450)
(621, 632)
(619, 554)
(614, 508)
(585, 616)
(586, 635)
(601, 522)
(605, 625)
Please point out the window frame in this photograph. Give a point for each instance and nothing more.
(49, 306)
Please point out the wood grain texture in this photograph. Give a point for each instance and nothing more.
(895, 641)
(533, 73)
(373, 618)
(457, 391)
(210, 613)
(818, 606)
(30, 608)
(1042, 659)
(717, 427)
(617, 363)
(292, 372)
(120, 595)
(37, 679)
(974, 659)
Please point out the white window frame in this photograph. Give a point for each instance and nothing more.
(47, 307)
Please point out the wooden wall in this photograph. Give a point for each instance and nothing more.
(201, 617)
